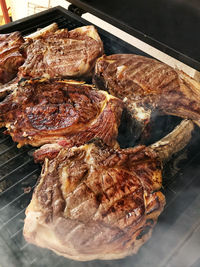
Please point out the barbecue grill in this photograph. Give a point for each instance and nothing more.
(176, 238)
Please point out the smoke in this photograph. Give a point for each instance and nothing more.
(133, 132)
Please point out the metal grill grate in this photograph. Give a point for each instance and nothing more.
(178, 225)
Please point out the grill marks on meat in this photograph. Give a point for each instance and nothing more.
(68, 112)
(19, 56)
(96, 202)
(8, 88)
(146, 84)
(62, 54)
(92, 201)
(10, 57)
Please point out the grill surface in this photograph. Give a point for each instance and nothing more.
(176, 239)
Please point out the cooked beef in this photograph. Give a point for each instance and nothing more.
(68, 112)
(7, 88)
(41, 32)
(97, 202)
(146, 84)
(10, 57)
(62, 53)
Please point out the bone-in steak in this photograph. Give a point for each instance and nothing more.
(62, 53)
(96, 202)
(68, 112)
(146, 84)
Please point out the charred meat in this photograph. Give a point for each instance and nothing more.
(20, 43)
(146, 84)
(60, 111)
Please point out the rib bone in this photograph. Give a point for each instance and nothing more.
(174, 141)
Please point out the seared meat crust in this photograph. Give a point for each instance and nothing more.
(96, 202)
(146, 84)
(68, 112)
(62, 54)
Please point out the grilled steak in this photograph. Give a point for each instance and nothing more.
(61, 53)
(96, 202)
(17, 58)
(68, 112)
(146, 84)
(10, 57)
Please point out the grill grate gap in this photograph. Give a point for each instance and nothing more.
(18, 168)
(9, 190)
(11, 224)
(21, 153)
(18, 203)
(4, 139)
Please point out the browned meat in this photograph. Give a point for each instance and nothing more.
(146, 84)
(8, 88)
(10, 57)
(68, 112)
(62, 53)
(96, 202)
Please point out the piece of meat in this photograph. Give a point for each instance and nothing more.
(7, 88)
(61, 53)
(13, 58)
(97, 202)
(10, 57)
(146, 84)
(93, 202)
(60, 111)
(49, 151)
